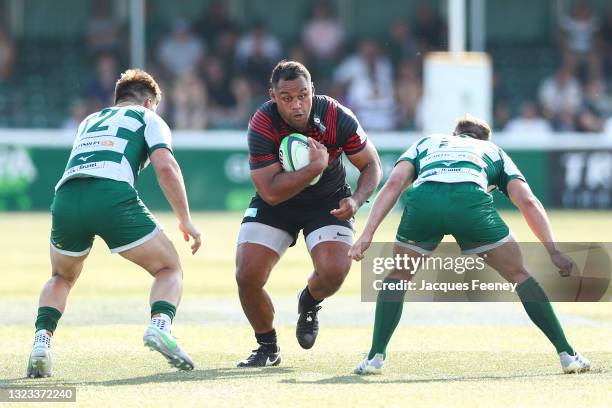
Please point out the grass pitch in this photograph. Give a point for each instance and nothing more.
(463, 355)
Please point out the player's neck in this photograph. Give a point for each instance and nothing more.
(125, 103)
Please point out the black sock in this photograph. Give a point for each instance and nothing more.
(267, 339)
(307, 302)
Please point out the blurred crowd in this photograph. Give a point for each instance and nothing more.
(214, 71)
(576, 97)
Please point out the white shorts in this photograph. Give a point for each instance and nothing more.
(279, 240)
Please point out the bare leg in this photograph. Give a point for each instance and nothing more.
(507, 260)
(331, 266)
(65, 270)
(159, 257)
(254, 263)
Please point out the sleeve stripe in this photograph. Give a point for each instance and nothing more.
(261, 117)
(160, 146)
(263, 131)
(258, 159)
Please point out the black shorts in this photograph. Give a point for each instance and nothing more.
(293, 217)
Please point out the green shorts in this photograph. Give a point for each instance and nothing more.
(85, 207)
(462, 210)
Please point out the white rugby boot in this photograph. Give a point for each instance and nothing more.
(373, 366)
(574, 364)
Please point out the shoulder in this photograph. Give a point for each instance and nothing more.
(148, 115)
(267, 108)
(325, 104)
(266, 112)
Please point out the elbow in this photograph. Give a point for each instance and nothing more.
(394, 186)
(165, 170)
(270, 198)
(528, 203)
(377, 170)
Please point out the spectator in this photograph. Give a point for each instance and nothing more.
(430, 29)
(225, 46)
(323, 35)
(595, 96)
(605, 43)
(402, 45)
(530, 123)
(256, 54)
(595, 107)
(229, 99)
(408, 93)
(101, 90)
(367, 78)
(7, 55)
(565, 119)
(189, 102)
(258, 42)
(501, 102)
(214, 21)
(560, 92)
(78, 112)
(103, 31)
(181, 51)
(577, 39)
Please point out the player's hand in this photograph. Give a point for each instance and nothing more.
(347, 208)
(360, 246)
(190, 230)
(318, 153)
(563, 262)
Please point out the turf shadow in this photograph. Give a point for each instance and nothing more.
(212, 374)
(357, 379)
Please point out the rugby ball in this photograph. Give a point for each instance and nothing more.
(293, 154)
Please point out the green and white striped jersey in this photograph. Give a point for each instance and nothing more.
(459, 159)
(116, 143)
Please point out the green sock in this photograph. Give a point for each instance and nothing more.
(47, 318)
(540, 312)
(389, 305)
(161, 306)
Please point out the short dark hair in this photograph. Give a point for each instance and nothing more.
(473, 127)
(288, 71)
(136, 84)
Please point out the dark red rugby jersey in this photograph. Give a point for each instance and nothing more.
(331, 124)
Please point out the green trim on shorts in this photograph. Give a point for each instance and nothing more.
(85, 207)
(462, 210)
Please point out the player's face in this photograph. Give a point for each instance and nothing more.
(294, 100)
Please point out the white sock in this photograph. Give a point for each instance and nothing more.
(41, 337)
(162, 322)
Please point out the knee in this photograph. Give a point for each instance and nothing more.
(248, 278)
(517, 275)
(174, 271)
(65, 280)
(333, 274)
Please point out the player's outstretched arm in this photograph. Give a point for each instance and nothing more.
(275, 185)
(368, 163)
(534, 213)
(171, 182)
(401, 177)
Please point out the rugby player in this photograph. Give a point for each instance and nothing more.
(96, 196)
(285, 204)
(451, 178)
